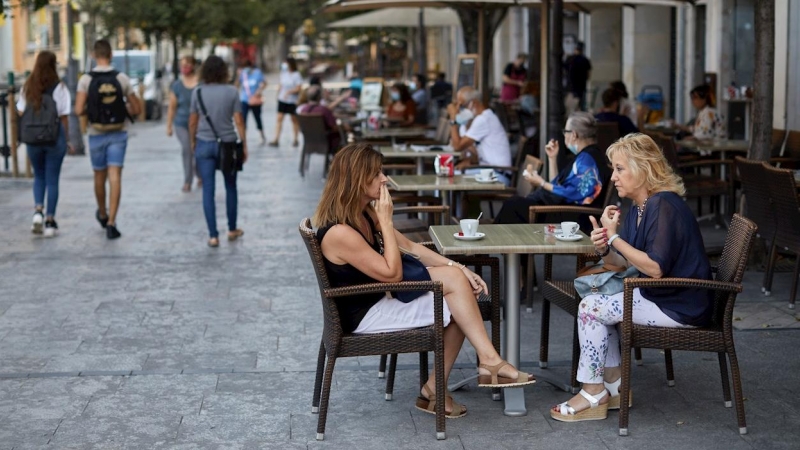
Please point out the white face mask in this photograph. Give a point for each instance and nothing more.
(284, 66)
(412, 86)
(464, 116)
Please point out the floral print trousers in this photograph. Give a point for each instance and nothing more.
(598, 316)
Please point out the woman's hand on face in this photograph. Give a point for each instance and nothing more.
(384, 207)
(477, 283)
(552, 148)
(599, 236)
(610, 219)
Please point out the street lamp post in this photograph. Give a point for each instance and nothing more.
(75, 136)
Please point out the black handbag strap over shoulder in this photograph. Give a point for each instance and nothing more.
(205, 113)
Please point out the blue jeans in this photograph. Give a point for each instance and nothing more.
(46, 161)
(206, 156)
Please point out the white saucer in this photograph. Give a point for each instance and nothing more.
(574, 237)
(490, 180)
(477, 236)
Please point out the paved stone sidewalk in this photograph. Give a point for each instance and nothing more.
(156, 341)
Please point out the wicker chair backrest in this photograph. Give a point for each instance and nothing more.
(315, 135)
(783, 191)
(733, 262)
(330, 312)
(757, 190)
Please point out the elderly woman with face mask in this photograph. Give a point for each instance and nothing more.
(580, 183)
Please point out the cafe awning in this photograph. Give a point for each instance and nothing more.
(399, 17)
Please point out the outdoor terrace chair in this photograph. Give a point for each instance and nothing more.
(717, 337)
(786, 210)
(335, 343)
(607, 134)
(315, 140)
(756, 189)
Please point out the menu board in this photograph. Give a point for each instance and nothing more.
(372, 93)
(467, 75)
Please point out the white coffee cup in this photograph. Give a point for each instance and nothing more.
(486, 174)
(569, 228)
(469, 227)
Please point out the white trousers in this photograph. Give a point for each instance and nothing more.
(598, 316)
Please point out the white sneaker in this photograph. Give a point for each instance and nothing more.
(50, 228)
(38, 220)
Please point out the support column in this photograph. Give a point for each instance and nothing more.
(628, 54)
(544, 105)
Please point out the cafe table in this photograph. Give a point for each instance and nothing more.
(436, 183)
(420, 156)
(393, 133)
(511, 241)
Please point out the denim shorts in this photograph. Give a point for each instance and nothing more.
(108, 149)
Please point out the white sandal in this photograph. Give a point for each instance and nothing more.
(596, 410)
(613, 391)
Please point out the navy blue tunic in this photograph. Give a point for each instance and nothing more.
(670, 236)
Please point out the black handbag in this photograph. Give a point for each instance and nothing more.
(413, 270)
(230, 156)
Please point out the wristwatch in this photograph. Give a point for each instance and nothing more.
(453, 123)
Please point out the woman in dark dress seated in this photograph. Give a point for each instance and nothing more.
(360, 245)
(660, 238)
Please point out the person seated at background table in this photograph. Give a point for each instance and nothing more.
(441, 91)
(627, 107)
(313, 105)
(402, 110)
(660, 237)
(610, 113)
(419, 93)
(514, 76)
(708, 124)
(580, 183)
(473, 125)
(527, 99)
(360, 245)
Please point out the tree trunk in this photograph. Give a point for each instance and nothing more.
(534, 44)
(469, 26)
(764, 80)
(555, 98)
(469, 23)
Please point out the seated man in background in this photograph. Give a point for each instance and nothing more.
(441, 91)
(484, 132)
(419, 93)
(313, 106)
(610, 112)
(584, 182)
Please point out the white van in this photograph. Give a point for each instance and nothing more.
(142, 64)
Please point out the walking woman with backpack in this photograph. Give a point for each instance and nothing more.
(180, 98)
(44, 106)
(216, 127)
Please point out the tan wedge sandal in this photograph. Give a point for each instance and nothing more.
(596, 411)
(428, 405)
(494, 379)
(613, 391)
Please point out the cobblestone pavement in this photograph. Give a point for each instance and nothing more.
(157, 341)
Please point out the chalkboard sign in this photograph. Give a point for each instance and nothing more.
(467, 72)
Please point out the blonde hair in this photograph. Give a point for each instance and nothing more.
(353, 168)
(647, 163)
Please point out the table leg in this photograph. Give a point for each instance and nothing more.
(514, 397)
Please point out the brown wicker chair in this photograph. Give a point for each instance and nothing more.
(607, 134)
(756, 186)
(716, 337)
(337, 344)
(786, 209)
(315, 140)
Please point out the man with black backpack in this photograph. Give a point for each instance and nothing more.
(107, 98)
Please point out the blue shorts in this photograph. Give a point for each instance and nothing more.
(108, 149)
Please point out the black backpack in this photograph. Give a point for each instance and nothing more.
(106, 102)
(40, 127)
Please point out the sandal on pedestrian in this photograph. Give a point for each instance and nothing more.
(596, 411)
(213, 242)
(494, 379)
(429, 406)
(613, 392)
(235, 234)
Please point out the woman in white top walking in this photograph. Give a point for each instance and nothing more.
(289, 89)
(46, 159)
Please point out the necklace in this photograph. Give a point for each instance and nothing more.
(640, 209)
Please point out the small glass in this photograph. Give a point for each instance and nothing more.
(549, 229)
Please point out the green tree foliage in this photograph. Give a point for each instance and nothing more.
(5, 5)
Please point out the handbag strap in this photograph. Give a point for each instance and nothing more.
(246, 82)
(600, 268)
(205, 113)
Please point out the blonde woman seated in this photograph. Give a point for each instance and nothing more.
(360, 245)
(660, 238)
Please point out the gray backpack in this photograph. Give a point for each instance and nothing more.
(40, 127)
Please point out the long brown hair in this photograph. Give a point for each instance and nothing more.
(352, 170)
(43, 77)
